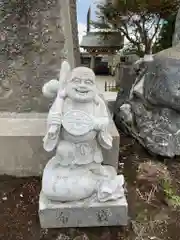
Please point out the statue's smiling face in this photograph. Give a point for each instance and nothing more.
(81, 87)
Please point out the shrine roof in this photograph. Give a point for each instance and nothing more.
(102, 39)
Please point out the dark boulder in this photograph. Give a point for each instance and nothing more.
(151, 112)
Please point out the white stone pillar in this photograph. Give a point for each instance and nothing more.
(68, 33)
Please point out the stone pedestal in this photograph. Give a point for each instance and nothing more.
(78, 131)
(82, 214)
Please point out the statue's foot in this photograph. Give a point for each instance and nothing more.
(111, 189)
(65, 184)
(110, 185)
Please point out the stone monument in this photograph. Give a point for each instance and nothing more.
(151, 111)
(34, 39)
(77, 189)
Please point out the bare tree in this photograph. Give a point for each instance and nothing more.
(140, 23)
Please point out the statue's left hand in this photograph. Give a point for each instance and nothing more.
(100, 124)
(105, 140)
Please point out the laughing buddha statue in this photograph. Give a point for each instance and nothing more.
(77, 129)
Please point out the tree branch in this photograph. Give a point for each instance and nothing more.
(124, 30)
(156, 28)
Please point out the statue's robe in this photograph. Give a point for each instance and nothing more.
(87, 148)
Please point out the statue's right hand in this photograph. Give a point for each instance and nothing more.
(53, 132)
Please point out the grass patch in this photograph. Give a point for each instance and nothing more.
(170, 193)
(114, 89)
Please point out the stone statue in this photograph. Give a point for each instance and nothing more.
(151, 111)
(77, 128)
(176, 35)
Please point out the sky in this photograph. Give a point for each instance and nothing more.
(82, 8)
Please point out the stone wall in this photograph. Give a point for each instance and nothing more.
(31, 43)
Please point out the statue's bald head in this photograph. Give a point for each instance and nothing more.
(81, 84)
(83, 73)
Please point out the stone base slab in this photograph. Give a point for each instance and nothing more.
(82, 214)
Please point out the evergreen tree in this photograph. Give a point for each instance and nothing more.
(164, 40)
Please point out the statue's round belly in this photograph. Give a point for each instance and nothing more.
(68, 184)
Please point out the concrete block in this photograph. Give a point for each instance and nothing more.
(110, 98)
(111, 157)
(82, 214)
(22, 156)
(21, 146)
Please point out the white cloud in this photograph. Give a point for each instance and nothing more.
(81, 31)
